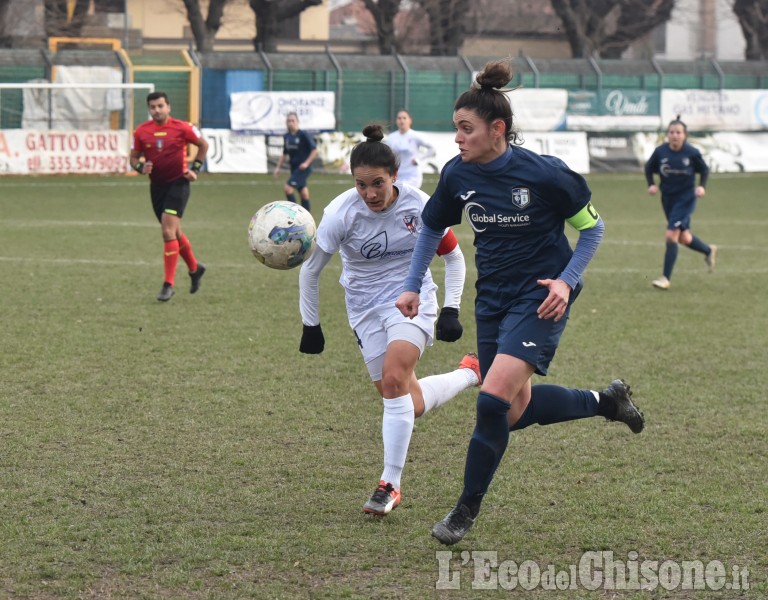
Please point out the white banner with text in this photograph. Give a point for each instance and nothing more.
(27, 152)
(716, 110)
(231, 152)
(265, 112)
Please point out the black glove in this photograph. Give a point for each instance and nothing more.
(448, 328)
(312, 340)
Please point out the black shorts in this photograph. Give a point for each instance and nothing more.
(170, 198)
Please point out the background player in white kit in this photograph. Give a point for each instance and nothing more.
(411, 149)
(375, 226)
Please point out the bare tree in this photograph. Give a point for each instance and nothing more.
(446, 25)
(5, 38)
(269, 13)
(400, 26)
(753, 19)
(384, 12)
(204, 29)
(606, 28)
(57, 21)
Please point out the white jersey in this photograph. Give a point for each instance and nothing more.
(375, 247)
(411, 149)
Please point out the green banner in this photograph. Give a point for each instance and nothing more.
(615, 103)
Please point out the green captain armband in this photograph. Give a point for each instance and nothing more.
(196, 166)
(586, 218)
(139, 168)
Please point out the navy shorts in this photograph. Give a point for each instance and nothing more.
(678, 212)
(520, 333)
(170, 198)
(298, 178)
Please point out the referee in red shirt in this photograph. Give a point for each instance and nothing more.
(162, 141)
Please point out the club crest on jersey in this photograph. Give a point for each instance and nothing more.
(410, 223)
(521, 197)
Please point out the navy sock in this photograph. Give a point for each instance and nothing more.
(699, 246)
(306, 204)
(486, 448)
(670, 257)
(291, 198)
(556, 404)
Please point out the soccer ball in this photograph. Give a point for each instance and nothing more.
(282, 234)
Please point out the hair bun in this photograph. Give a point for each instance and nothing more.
(373, 133)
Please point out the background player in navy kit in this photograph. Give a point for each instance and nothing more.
(517, 202)
(677, 163)
(301, 150)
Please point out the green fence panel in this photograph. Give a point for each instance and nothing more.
(624, 81)
(302, 81)
(174, 83)
(744, 82)
(432, 96)
(12, 101)
(369, 97)
(568, 80)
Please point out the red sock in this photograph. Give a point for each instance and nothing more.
(171, 256)
(185, 250)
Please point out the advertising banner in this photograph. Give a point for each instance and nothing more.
(539, 109)
(231, 152)
(724, 152)
(614, 153)
(716, 110)
(30, 152)
(615, 103)
(265, 112)
(571, 147)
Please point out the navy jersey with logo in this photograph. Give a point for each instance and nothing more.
(677, 170)
(517, 206)
(297, 146)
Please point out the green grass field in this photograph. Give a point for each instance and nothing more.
(188, 450)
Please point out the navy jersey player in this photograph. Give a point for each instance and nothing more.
(517, 202)
(677, 163)
(300, 149)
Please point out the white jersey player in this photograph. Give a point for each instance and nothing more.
(374, 226)
(410, 148)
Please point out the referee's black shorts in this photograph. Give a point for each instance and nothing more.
(170, 198)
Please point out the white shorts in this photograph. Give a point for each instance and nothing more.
(380, 326)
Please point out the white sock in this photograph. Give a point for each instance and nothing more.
(396, 429)
(438, 389)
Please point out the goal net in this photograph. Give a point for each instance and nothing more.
(41, 105)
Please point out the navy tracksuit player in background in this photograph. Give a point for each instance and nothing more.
(301, 150)
(677, 163)
(517, 202)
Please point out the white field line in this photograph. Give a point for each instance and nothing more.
(335, 266)
(136, 182)
(18, 223)
(219, 179)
